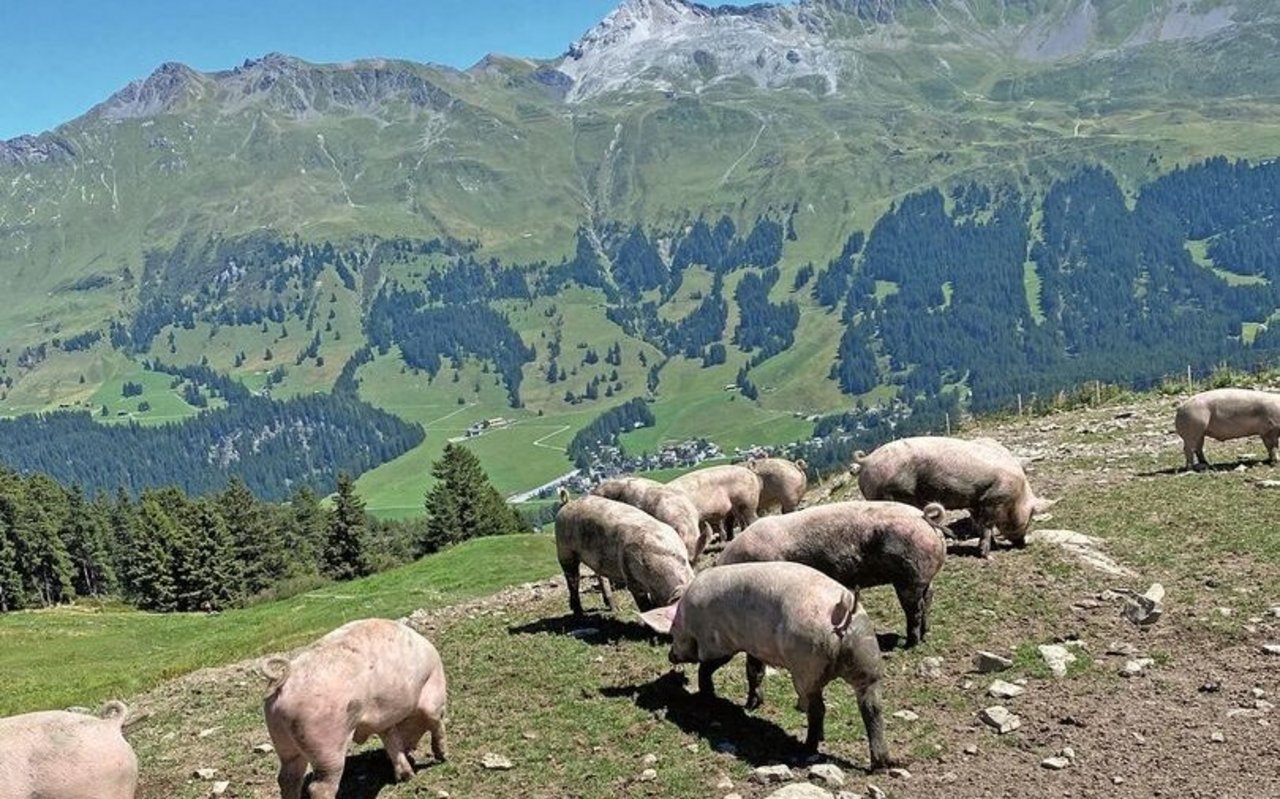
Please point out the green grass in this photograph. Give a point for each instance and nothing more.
(83, 655)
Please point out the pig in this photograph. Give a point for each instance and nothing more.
(57, 754)
(782, 483)
(1227, 413)
(372, 676)
(858, 544)
(724, 495)
(981, 476)
(666, 504)
(623, 544)
(785, 615)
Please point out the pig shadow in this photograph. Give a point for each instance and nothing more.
(722, 722)
(367, 773)
(1220, 466)
(597, 629)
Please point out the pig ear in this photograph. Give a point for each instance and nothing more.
(660, 619)
(842, 612)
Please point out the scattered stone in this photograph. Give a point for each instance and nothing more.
(206, 733)
(1086, 604)
(724, 784)
(899, 774)
(1055, 763)
(967, 685)
(1271, 649)
(1225, 612)
(1132, 668)
(1267, 483)
(1218, 738)
(733, 796)
(649, 759)
(529, 735)
(1068, 753)
(1121, 648)
(442, 794)
(827, 773)
(263, 749)
(1258, 693)
(765, 775)
(971, 750)
(1274, 610)
(906, 715)
(1117, 780)
(1143, 609)
(219, 788)
(987, 662)
(1000, 719)
(1057, 658)
(930, 668)
(1263, 705)
(1239, 711)
(874, 792)
(648, 775)
(494, 762)
(205, 773)
(1005, 690)
(1210, 687)
(800, 790)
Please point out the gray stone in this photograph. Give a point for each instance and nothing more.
(827, 774)
(930, 668)
(1005, 690)
(987, 662)
(724, 784)
(1057, 658)
(1271, 649)
(906, 715)
(801, 790)
(263, 749)
(219, 788)
(765, 775)
(649, 759)
(1000, 719)
(1218, 738)
(1145, 609)
(648, 775)
(899, 773)
(848, 795)
(494, 762)
(971, 750)
(874, 792)
(1055, 763)
(1133, 668)
(205, 773)
(1068, 753)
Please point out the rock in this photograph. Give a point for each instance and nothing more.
(219, 788)
(1000, 719)
(648, 775)
(1258, 693)
(494, 762)
(1121, 648)
(1263, 705)
(1210, 687)
(207, 732)
(988, 662)
(1055, 763)
(1144, 609)
(899, 773)
(1267, 483)
(971, 750)
(1117, 780)
(827, 774)
(1005, 690)
(1068, 753)
(442, 794)
(733, 796)
(205, 773)
(874, 792)
(1218, 738)
(1225, 612)
(848, 795)
(1274, 610)
(724, 784)
(906, 715)
(764, 775)
(649, 759)
(801, 790)
(1132, 668)
(1271, 649)
(1057, 658)
(263, 749)
(930, 668)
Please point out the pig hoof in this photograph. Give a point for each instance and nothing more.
(753, 702)
(884, 764)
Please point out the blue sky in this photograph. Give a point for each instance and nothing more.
(58, 58)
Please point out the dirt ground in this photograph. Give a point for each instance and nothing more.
(1197, 721)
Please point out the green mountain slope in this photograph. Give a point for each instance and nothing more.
(251, 219)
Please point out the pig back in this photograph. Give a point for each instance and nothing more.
(953, 472)
(65, 755)
(369, 672)
(1229, 413)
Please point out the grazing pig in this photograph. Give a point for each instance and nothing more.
(663, 503)
(623, 544)
(724, 495)
(981, 476)
(367, 677)
(58, 754)
(859, 544)
(782, 483)
(1227, 413)
(785, 615)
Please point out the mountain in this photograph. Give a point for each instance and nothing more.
(901, 198)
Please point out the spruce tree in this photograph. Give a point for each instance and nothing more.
(42, 554)
(11, 593)
(259, 552)
(88, 537)
(306, 527)
(150, 565)
(344, 555)
(463, 503)
(204, 566)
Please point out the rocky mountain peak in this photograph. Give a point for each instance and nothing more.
(163, 90)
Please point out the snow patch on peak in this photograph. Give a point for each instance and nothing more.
(662, 44)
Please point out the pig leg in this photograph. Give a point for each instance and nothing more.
(436, 725)
(755, 682)
(607, 592)
(393, 740)
(293, 770)
(912, 598)
(327, 776)
(572, 578)
(706, 670)
(1271, 441)
(816, 710)
(873, 719)
(984, 546)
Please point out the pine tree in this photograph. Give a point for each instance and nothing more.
(463, 503)
(259, 552)
(88, 537)
(204, 568)
(344, 555)
(42, 554)
(306, 526)
(150, 565)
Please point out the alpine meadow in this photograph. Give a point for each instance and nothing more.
(280, 340)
